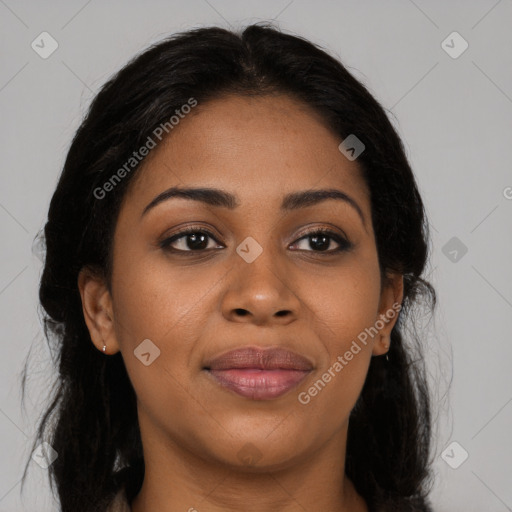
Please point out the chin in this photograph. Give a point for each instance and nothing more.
(259, 450)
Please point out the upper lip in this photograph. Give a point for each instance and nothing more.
(264, 359)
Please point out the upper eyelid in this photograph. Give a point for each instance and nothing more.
(303, 233)
(322, 229)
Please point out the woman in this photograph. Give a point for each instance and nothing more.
(233, 249)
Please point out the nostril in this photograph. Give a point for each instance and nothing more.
(241, 312)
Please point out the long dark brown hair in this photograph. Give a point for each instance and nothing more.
(91, 418)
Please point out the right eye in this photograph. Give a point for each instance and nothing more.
(189, 240)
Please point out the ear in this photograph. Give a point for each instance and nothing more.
(391, 297)
(97, 309)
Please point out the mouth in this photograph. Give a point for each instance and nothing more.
(259, 374)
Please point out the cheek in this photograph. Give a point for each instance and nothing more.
(157, 301)
(335, 390)
(348, 351)
(170, 307)
(345, 309)
(346, 303)
(161, 307)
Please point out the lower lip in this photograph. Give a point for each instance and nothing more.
(259, 384)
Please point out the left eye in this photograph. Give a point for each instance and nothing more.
(198, 240)
(320, 241)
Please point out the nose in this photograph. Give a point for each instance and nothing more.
(260, 293)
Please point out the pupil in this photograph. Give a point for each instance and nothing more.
(322, 245)
(197, 241)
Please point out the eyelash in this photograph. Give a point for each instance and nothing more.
(344, 245)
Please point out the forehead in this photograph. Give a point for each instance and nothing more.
(259, 147)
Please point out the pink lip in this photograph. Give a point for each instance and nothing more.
(259, 374)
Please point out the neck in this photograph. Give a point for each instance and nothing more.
(177, 478)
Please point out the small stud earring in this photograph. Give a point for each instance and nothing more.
(104, 348)
(386, 346)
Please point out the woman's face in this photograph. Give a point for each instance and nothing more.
(257, 281)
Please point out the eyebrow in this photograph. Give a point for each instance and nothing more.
(221, 198)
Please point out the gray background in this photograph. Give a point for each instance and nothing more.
(454, 115)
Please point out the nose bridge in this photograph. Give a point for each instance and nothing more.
(258, 265)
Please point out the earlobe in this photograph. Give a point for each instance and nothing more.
(97, 310)
(389, 308)
(381, 346)
(384, 346)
